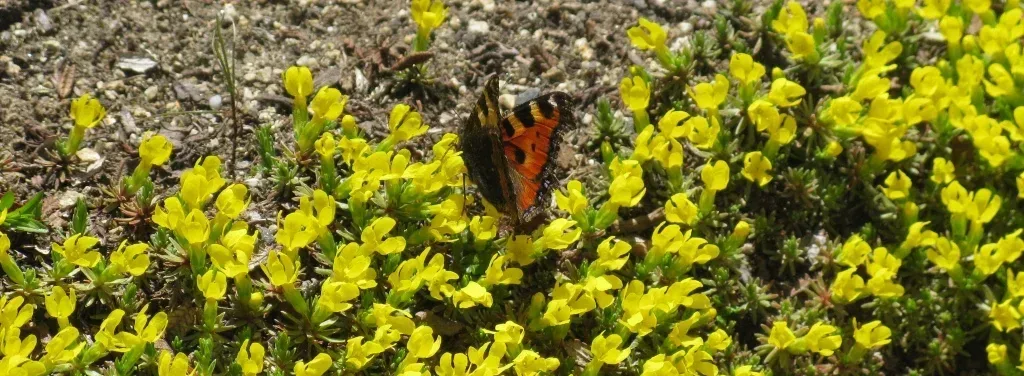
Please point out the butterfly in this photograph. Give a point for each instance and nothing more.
(510, 156)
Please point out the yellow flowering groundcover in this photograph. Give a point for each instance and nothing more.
(821, 202)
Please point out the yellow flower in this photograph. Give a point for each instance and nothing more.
(375, 238)
(916, 236)
(231, 256)
(605, 350)
(756, 168)
(818, 339)
(483, 227)
(978, 6)
(509, 333)
(847, 287)
(106, 335)
(334, 295)
(709, 96)
(934, 9)
(743, 68)
(704, 134)
(781, 337)
(358, 354)
(871, 8)
(952, 28)
(1020, 185)
(987, 259)
(298, 82)
(405, 124)
(611, 257)
(647, 36)
(146, 330)
(250, 358)
(472, 295)
(745, 371)
(422, 343)
(325, 146)
(573, 200)
(1004, 316)
(132, 259)
(316, 367)
(173, 366)
(927, 81)
(877, 53)
(871, 86)
(786, 93)
(195, 228)
(715, 175)
(497, 274)
(60, 305)
(635, 93)
(529, 363)
(833, 149)
(87, 111)
(882, 286)
(428, 14)
(62, 348)
(791, 19)
(679, 209)
(943, 171)
(213, 284)
(328, 104)
(844, 111)
(281, 269)
(155, 150)
(764, 114)
(77, 249)
(983, 206)
(872, 335)
(14, 313)
(802, 46)
(996, 353)
(297, 231)
(627, 186)
(897, 186)
(1001, 83)
(854, 252)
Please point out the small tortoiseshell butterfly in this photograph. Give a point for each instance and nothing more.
(510, 157)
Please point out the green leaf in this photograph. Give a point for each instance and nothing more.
(80, 219)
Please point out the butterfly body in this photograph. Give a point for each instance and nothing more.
(510, 156)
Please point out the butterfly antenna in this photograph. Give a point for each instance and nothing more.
(464, 194)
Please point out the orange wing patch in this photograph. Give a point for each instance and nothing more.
(528, 134)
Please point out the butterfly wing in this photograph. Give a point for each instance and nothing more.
(482, 145)
(531, 136)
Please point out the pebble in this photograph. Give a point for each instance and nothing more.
(215, 102)
(710, 6)
(685, 28)
(307, 61)
(151, 93)
(479, 27)
(586, 53)
(69, 198)
(136, 64)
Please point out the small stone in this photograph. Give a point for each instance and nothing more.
(136, 64)
(151, 93)
(307, 61)
(215, 102)
(710, 6)
(487, 5)
(507, 100)
(685, 28)
(43, 20)
(12, 69)
(69, 198)
(478, 27)
(87, 155)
